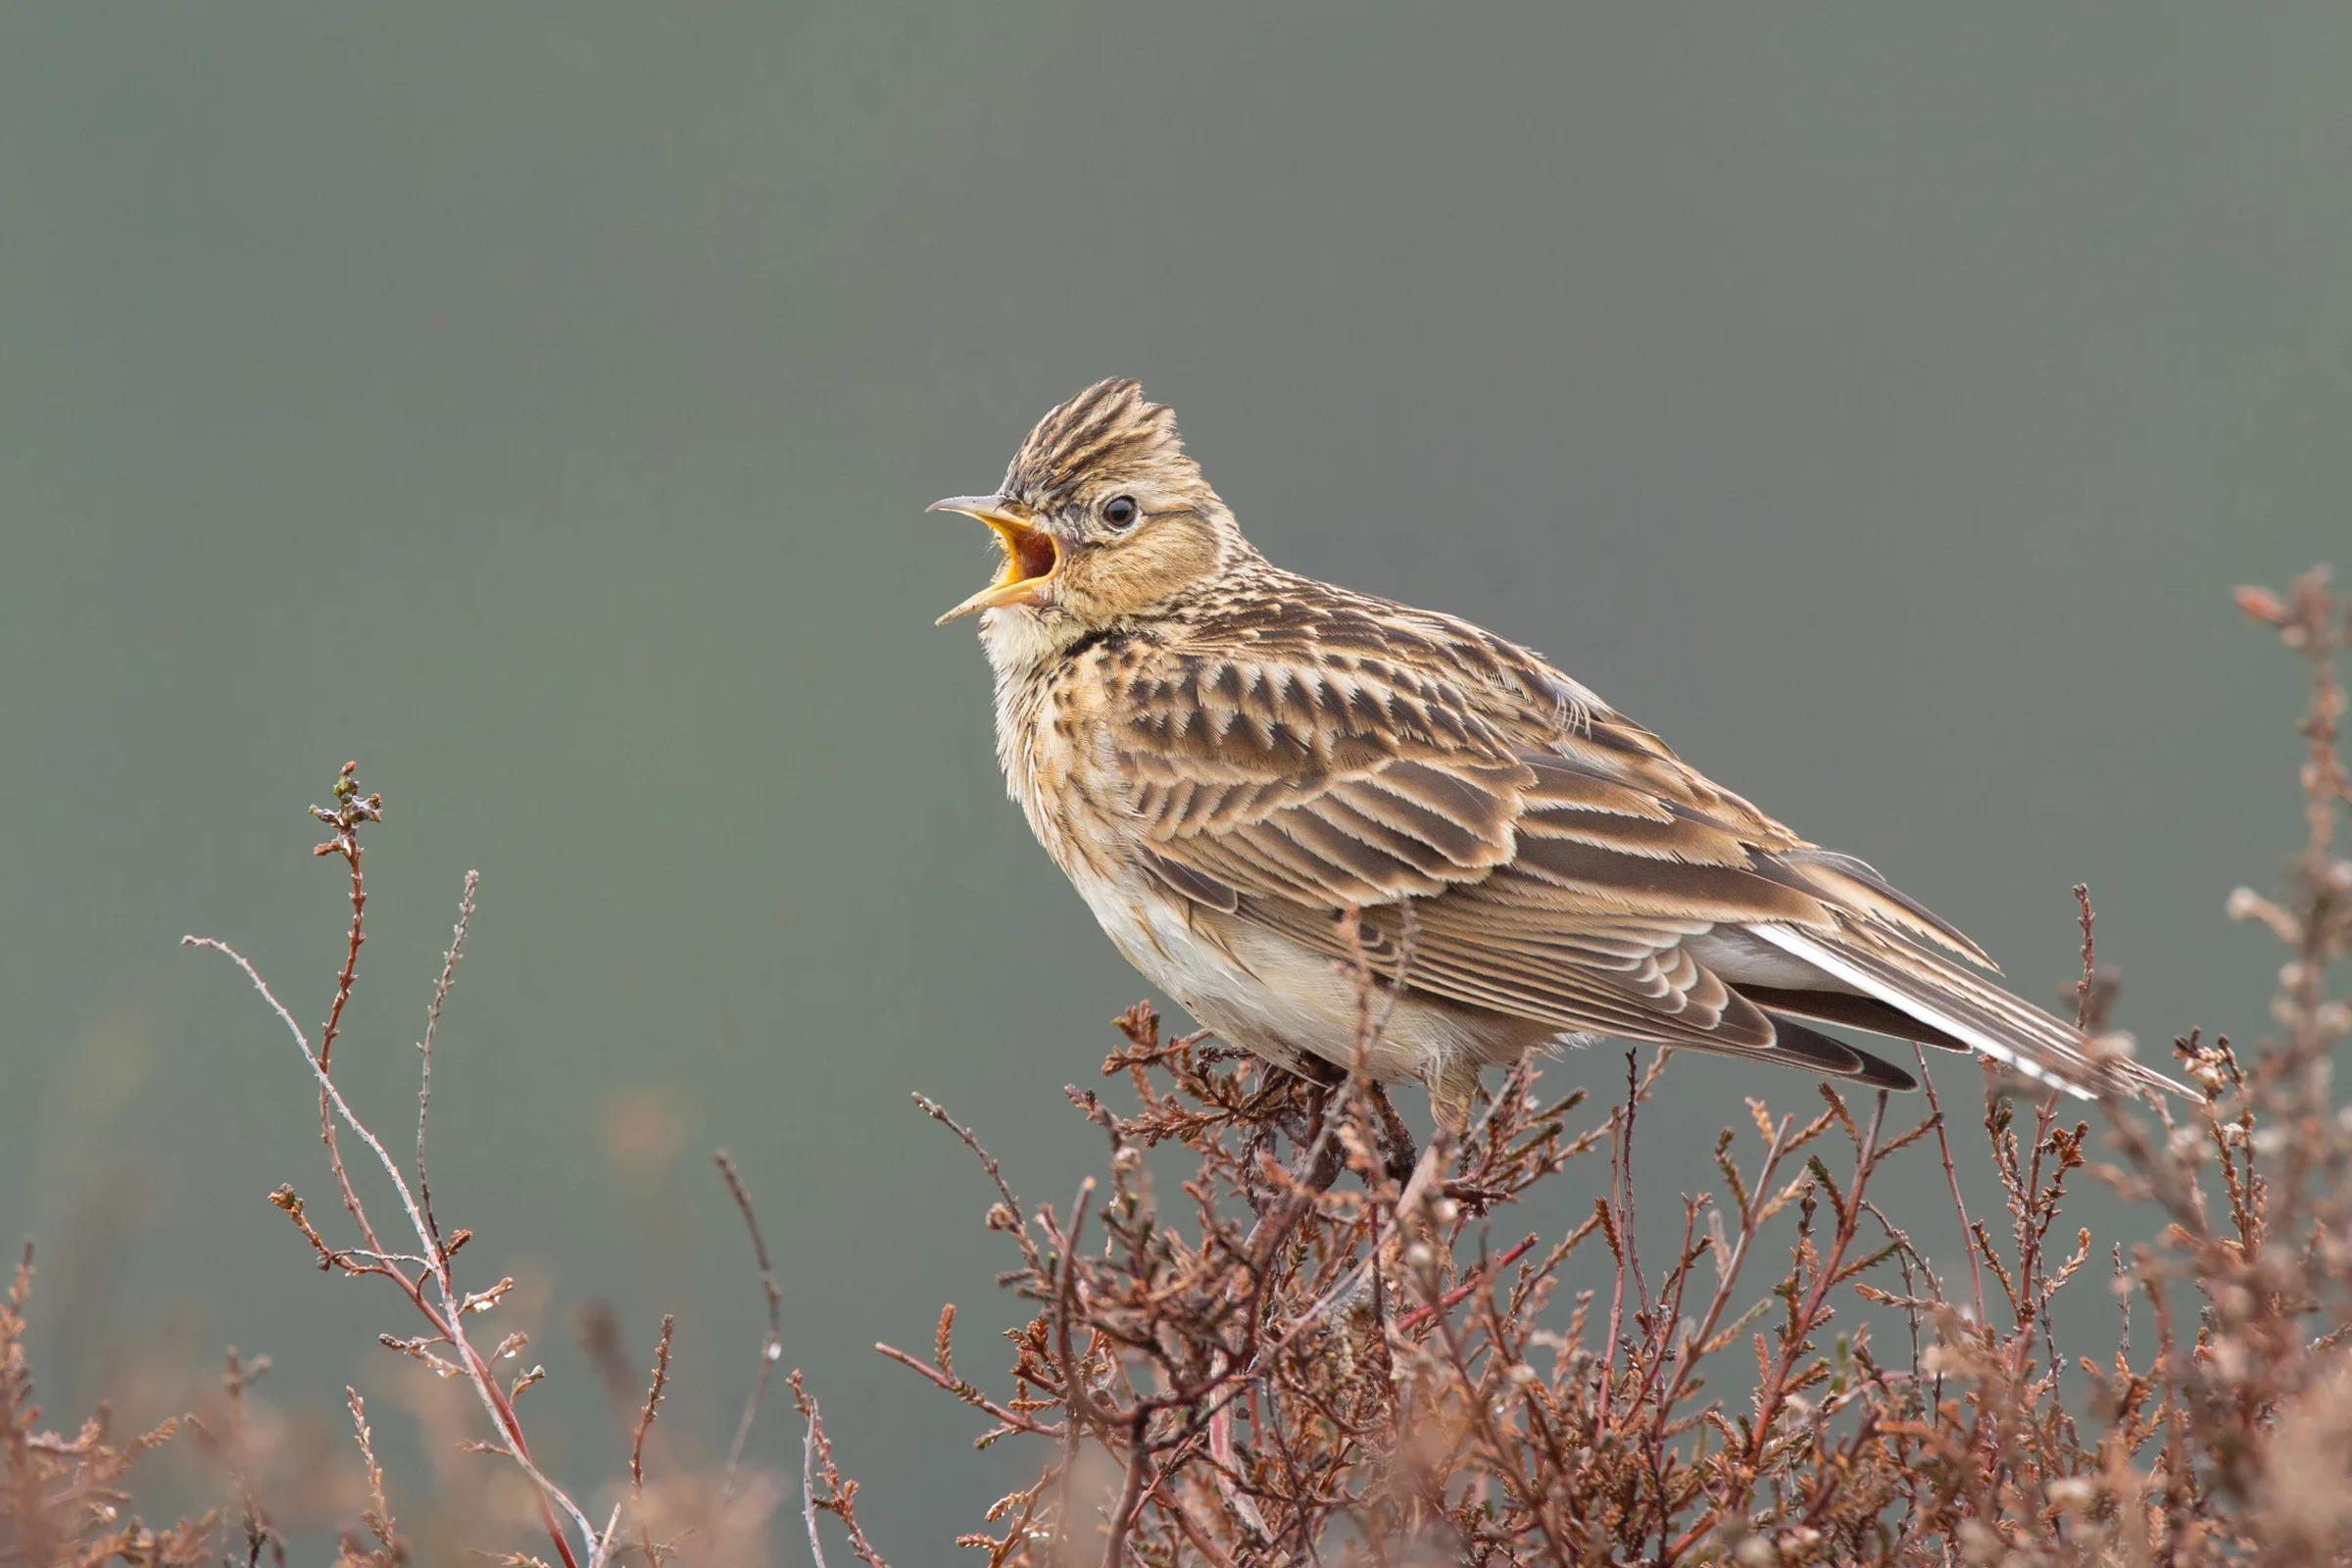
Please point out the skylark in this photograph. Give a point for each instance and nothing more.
(1230, 762)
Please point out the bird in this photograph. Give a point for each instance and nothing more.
(1276, 795)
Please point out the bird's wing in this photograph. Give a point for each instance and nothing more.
(1283, 792)
(1511, 850)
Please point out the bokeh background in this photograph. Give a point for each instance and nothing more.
(538, 403)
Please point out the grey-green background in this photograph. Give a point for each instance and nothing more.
(538, 403)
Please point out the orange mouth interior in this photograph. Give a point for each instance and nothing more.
(1029, 553)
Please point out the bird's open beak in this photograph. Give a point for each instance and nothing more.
(1031, 557)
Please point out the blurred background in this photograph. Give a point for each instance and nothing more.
(538, 404)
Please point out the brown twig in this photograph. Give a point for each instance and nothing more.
(446, 1315)
(442, 983)
(840, 1497)
(771, 1347)
(652, 1402)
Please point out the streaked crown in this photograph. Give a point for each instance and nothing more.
(1107, 432)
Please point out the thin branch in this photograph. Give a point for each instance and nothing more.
(424, 1048)
(652, 1402)
(772, 1348)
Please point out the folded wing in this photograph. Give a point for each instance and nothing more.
(1508, 844)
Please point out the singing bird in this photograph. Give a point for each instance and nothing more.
(1233, 762)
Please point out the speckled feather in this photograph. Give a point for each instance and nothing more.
(1226, 757)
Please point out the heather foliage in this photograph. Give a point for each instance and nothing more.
(1275, 1331)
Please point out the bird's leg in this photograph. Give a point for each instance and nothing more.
(1453, 1089)
(1454, 1099)
(1395, 1138)
(1452, 1092)
(1318, 1160)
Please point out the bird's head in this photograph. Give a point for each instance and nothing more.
(1100, 517)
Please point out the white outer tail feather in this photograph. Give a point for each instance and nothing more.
(1828, 961)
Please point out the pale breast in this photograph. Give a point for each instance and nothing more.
(1258, 989)
(1047, 718)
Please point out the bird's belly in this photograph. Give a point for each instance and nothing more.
(1270, 994)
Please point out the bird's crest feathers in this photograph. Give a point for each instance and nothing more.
(1107, 431)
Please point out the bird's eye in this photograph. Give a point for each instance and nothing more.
(1120, 511)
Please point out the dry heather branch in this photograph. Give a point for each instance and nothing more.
(445, 1308)
(771, 1347)
(1335, 1358)
(428, 1279)
(1274, 1333)
(61, 1498)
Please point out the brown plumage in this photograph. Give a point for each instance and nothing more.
(1226, 759)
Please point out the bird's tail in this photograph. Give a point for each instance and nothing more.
(1949, 1006)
